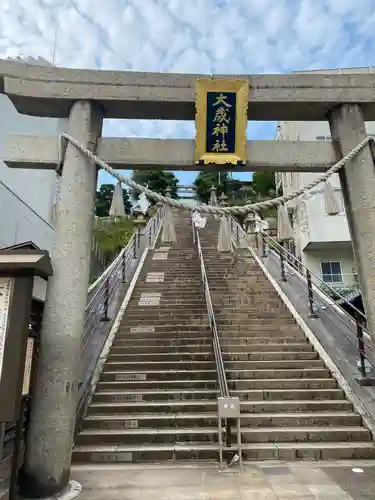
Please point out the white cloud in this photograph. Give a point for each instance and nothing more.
(193, 36)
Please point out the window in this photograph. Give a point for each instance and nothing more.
(331, 272)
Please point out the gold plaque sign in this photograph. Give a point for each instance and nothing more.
(221, 121)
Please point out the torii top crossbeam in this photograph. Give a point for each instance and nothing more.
(50, 92)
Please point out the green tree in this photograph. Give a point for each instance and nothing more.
(156, 180)
(103, 200)
(206, 179)
(264, 183)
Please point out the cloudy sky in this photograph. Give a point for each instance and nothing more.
(191, 36)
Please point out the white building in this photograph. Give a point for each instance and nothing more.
(27, 197)
(321, 242)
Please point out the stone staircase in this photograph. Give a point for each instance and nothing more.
(291, 406)
(156, 396)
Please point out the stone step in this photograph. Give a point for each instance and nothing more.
(224, 325)
(255, 323)
(305, 434)
(168, 356)
(167, 314)
(145, 453)
(295, 406)
(154, 396)
(174, 264)
(234, 385)
(265, 408)
(209, 452)
(128, 347)
(208, 356)
(278, 397)
(171, 291)
(173, 300)
(201, 365)
(176, 435)
(179, 310)
(277, 373)
(145, 436)
(178, 285)
(209, 419)
(186, 338)
(269, 334)
(175, 323)
(210, 374)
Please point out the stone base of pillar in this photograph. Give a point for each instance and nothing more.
(72, 491)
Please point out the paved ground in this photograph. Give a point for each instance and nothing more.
(265, 481)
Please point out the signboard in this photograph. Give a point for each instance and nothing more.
(221, 121)
(6, 288)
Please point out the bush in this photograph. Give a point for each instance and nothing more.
(113, 236)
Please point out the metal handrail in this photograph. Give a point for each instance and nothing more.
(228, 408)
(278, 248)
(304, 274)
(222, 379)
(105, 299)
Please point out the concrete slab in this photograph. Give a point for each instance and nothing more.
(49, 91)
(39, 152)
(261, 481)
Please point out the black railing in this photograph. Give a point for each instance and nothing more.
(315, 289)
(352, 326)
(104, 300)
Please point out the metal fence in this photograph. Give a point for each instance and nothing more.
(104, 300)
(322, 299)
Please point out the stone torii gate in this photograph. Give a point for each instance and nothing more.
(89, 96)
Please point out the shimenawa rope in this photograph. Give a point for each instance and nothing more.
(237, 210)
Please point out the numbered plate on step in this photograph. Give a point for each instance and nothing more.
(142, 329)
(127, 397)
(149, 299)
(123, 377)
(155, 278)
(160, 256)
(111, 457)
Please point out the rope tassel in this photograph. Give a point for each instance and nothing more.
(168, 234)
(224, 243)
(330, 202)
(284, 228)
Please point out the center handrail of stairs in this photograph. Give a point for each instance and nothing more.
(102, 308)
(222, 379)
(314, 288)
(228, 407)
